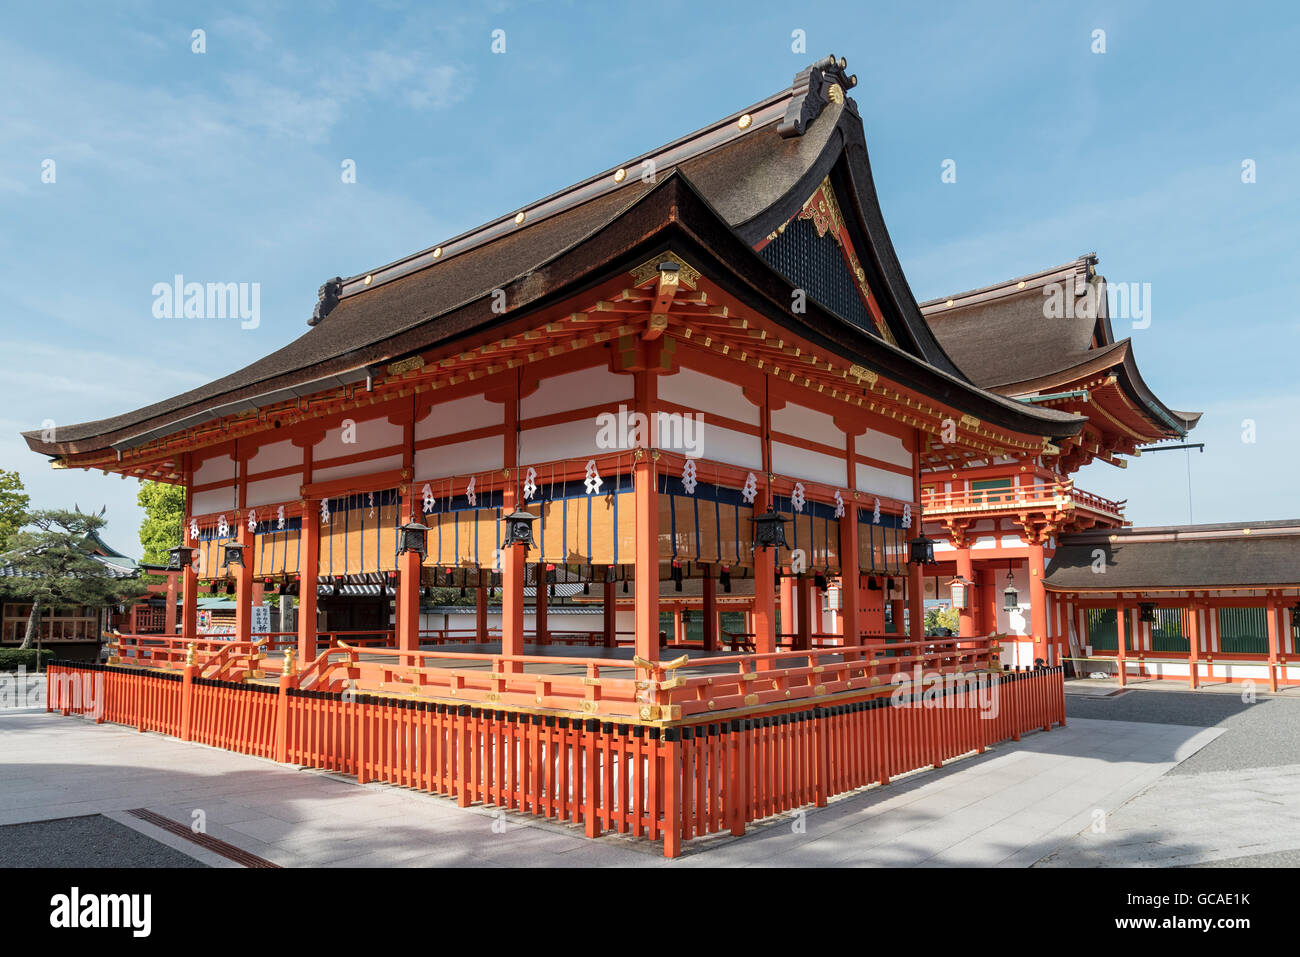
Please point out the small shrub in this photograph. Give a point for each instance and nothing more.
(11, 659)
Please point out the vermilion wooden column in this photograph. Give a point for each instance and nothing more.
(513, 566)
(646, 570)
(764, 615)
(896, 606)
(646, 496)
(1193, 646)
(480, 613)
(189, 603)
(915, 603)
(788, 613)
(804, 615)
(915, 591)
(1271, 615)
(541, 633)
(189, 577)
(169, 613)
(514, 558)
(850, 621)
(610, 609)
(244, 585)
(710, 611)
(966, 616)
(1121, 638)
(309, 568)
(408, 588)
(1038, 600)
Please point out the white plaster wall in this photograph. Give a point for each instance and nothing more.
(731, 447)
(370, 434)
(460, 458)
(578, 390)
(363, 467)
(874, 481)
(215, 469)
(276, 455)
(881, 445)
(459, 415)
(1019, 622)
(567, 440)
(285, 488)
(801, 463)
(810, 424)
(214, 500)
(708, 394)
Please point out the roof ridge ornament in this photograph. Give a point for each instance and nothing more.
(327, 297)
(823, 82)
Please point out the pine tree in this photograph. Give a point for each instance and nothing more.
(52, 564)
(13, 505)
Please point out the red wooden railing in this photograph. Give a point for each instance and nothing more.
(1061, 494)
(668, 782)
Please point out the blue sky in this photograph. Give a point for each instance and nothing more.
(225, 166)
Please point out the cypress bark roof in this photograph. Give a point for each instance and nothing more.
(1187, 556)
(1039, 333)
(750, 178)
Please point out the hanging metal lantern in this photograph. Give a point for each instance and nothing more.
(1010, 598)
(182, 556)
(921, 550)
(873, 583)
(519, 529)
(232, 553)
(677, 576)
(230, 588)
(1148, 612)
(724, 579)
(413, 537)
(819, 582)
(961, 592)
(769, 531)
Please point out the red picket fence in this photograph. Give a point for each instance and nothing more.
(665, 781)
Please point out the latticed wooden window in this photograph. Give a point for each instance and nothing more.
(816, 265)
(1171, 629)
(990, 488)
(1243, 631)
(1103, 633)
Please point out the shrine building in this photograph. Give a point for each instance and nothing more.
(692, 395)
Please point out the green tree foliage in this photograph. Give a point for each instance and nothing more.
(51, 556)
(13, 505)
(164, 518)
(942, 617)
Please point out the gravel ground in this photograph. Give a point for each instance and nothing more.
(90, 841)
(1265, 734)
(1270, 859)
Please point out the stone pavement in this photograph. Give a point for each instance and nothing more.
(1236, 802)
(1011, 806)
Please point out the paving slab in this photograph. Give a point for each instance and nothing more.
(1011, 806)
